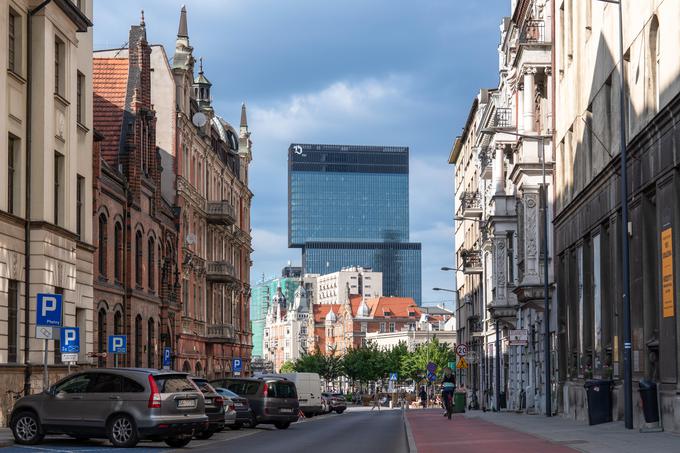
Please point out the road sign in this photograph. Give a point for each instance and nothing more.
(44, 333)
(70, 340)
(462, 364)
(393, 376)
(518, 337)
(236, 365)
(461, 350)
(118, 344)
(69, 357)
(167, 357)
(431, 367)
(48, 310)
(431, 377)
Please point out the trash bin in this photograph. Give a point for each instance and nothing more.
(599, 393)
(459, 402)
(650, 403)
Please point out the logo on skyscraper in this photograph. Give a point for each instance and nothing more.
(297, 149)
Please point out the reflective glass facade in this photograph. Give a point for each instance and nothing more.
(347, 193)
(349, 206)
(398, 261)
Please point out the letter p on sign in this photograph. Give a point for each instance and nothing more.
(48, 310)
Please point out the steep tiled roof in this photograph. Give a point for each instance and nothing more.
(110, 79)
(321, 310)
(397, 306)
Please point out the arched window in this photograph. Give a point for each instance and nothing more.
(103, 224)
(138, 341)
(118, 251)
(151, 265)
(654, 63)
(186, 367)
(101, 335)
(199, 369)
(118, 323)
(150, 344)
(138, 258)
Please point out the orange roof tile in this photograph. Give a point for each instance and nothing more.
(321, 310)
(110, 80)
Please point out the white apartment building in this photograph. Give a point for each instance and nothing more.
(337, 287)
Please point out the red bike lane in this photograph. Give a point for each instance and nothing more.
(434, 433)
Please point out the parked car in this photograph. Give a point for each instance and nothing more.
(237, 409)
(214, 409)
(124, 405)
(273, 400)
(334, 402)
(308, 386)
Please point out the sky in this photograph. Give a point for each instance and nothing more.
(362, 72)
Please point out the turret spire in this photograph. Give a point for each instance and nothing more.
(183, 31)
(244, 117)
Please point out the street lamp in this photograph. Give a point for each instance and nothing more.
(546, 301)
(625, 268)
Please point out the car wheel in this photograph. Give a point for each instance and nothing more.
(205, 435)
(340, 411)
(236, 426)
(122, 431)
(177, 442)
(282, 425)
(26, 428)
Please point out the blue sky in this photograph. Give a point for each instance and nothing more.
(373, 72)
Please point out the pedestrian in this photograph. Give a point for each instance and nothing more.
(423, 397)
(376, 401)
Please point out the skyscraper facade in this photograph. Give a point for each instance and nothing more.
(349, 206)
(260, 301)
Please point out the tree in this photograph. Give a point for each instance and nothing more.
(414, 365)
(288, 367)
(310, 363)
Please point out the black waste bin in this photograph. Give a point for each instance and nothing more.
(650, 403)
(599, 392)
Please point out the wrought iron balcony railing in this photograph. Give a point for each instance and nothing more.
(472, 261)
(533, 31)
(471, 203)
(503, 118)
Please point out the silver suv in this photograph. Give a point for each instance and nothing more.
(124, 405)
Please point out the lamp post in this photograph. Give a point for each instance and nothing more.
(546, 285)
(625, 267)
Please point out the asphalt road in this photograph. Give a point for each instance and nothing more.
(355, 431)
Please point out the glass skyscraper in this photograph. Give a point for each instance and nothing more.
(349, 206)
(262, 294)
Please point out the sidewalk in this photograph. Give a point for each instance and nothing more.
(478, 431)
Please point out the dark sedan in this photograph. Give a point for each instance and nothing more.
(244, 415)
(214, 408)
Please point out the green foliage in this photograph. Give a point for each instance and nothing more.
(414, 365)
(328, 367)
(288, 367)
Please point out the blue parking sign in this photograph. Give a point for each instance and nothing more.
(70, 339)
(48, 310)
(236, 365)
(167, 357)
(117, 344)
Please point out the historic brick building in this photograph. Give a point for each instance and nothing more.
(135, 233)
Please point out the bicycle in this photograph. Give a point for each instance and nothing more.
(448, 404)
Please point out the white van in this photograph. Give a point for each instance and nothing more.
(308, 387)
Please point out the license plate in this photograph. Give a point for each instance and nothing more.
(208, 401)
(186, 404)
(286, 410)
(238, 405)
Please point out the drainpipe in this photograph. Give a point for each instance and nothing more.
(27, 225)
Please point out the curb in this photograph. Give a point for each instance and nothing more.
(412, 448)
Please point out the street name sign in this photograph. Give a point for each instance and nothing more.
(48, 310)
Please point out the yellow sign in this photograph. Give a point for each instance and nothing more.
(667, 295)
(462, 364)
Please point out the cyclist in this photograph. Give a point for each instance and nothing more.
(448, 387)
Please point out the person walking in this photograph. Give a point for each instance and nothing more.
(423, 397)
(376, 401)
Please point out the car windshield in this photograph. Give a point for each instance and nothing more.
(204, 386)
(173, 383)
(244, 387)
(226, 392)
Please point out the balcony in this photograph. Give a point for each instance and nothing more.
(485, 163)
(532, 32)
(471, 202)
(472, 261)
(220, 213)
(218, 333)
(503, 118)
(220, 272)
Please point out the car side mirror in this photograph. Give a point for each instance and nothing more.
(50, 391)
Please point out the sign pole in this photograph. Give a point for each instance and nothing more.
(46, 379)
